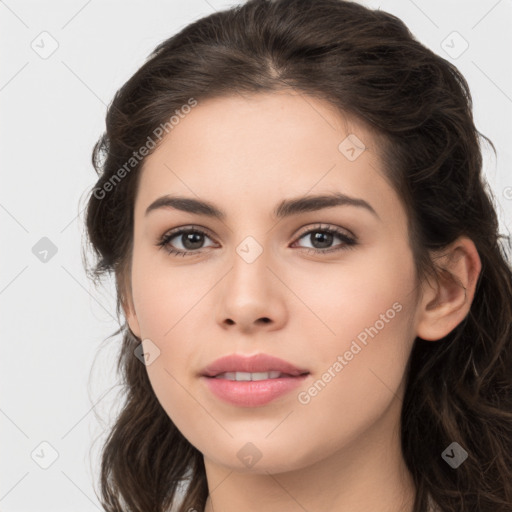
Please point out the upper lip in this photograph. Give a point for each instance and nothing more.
(251, 364)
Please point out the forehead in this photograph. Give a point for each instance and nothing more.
(264, 146)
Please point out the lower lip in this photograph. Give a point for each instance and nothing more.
(252, 393)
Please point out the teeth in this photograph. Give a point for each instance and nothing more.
(241, 376)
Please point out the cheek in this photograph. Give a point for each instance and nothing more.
(365, 296)
(361, 359)
(164, 294)
(166, 300)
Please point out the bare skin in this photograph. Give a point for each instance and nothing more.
(339, 448)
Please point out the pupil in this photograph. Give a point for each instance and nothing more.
(324, 238)
(193, 240)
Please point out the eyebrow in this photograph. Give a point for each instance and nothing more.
(286, 208)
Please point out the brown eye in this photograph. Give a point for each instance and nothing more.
(191, 241)
(322, 239)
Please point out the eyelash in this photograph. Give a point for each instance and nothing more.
(348, 242)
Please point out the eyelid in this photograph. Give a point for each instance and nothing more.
(322, 226)
(188, 227)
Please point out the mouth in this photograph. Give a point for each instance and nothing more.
(252, 381)
(255, 367)
(254, 376)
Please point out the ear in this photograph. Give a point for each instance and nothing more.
(129, 308)
(131, 319)
(446, 304)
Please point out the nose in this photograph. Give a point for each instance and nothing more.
(251, 297)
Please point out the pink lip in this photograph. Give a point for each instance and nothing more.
(252, 393)
(256, 363)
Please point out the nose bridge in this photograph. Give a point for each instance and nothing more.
(249, 293)
(249, 274)
(250, 250)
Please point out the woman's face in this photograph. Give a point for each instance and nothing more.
(261, 283)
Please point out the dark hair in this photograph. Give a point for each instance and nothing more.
(366, 64)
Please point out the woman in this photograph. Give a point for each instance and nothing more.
(317, 305)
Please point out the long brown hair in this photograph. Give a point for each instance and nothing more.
(367, 64)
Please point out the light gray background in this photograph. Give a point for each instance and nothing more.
(54, 322)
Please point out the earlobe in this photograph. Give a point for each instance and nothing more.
(446, 304)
